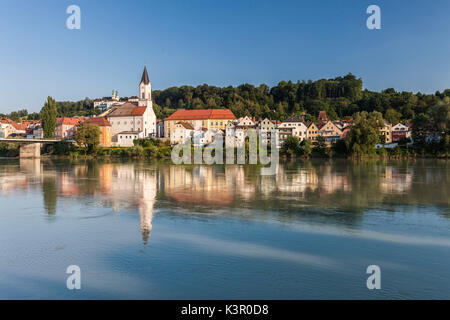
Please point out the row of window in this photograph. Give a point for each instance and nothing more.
(125, 122)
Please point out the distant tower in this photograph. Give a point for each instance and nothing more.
(145, 100)
(145, 87)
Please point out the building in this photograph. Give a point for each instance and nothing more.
(106, 103)
(204, 118)
(236, 132)
(386, 131)
(105, 130)
(9, 127)
(400, 132)
(312, 132)
(204, 137)
(265, 129)
(322, 118)
(284, 133)
(66, 128)
(299, 129)
(131, 119)
(330, 132)
(126, 138)
(159, 128)
(182, 133)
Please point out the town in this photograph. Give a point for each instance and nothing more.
(122, 123)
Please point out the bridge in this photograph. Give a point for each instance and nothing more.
(30, 148)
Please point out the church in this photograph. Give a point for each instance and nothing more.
(134, 119)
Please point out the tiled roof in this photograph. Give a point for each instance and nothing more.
(17, 126)
(202, 114)
(186, 125)
(67, 121)
(99, 121)
(127, 110)
(138, 111)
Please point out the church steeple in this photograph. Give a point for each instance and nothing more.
(145, 88)
(145, 78)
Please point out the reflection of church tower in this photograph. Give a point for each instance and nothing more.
(146, 203)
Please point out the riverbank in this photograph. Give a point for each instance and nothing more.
(163, 151)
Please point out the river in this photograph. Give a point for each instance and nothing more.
(145, 230)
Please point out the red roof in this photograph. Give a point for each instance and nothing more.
(186, 125)
(99, 121)
(17, 126)
(67, 121)
(202, 114)
(138, 111)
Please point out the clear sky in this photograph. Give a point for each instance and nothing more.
(218, 42)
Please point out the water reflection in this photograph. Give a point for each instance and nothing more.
(337, 191)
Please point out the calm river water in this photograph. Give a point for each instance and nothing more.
(142, 230)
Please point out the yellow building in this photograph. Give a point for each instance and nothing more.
(198, 119)
(312, 132)
(105, 130)
(387, 132)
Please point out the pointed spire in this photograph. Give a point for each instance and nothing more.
(144, 78)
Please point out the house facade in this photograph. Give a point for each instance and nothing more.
(299, 129)
(400, 132)
(237, 132)
(66, 128)
(182, 133)
(386, 131)
(105, 130)
(330, 132)
(198, 119)
(265, 129)
(312, 132)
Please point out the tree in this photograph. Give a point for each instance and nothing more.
(321, 146)
(392, 116)
(291, 146)
(365, 133)
(48, 116)
(306, 147)
(88, 136)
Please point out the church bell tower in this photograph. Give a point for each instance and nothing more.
(145, 89)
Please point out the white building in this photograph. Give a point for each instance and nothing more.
(265, 129)
(134, 120)
(204, 136)
(235, 133)
(299, 129)
(106, 103)
(183, 132)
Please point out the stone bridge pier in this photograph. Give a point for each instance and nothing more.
(30, 151)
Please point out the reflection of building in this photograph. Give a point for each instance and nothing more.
(395, 181)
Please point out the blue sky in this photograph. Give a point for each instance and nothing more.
(215, 42)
